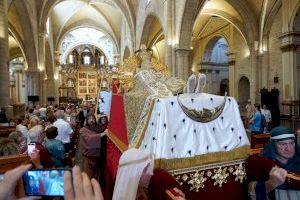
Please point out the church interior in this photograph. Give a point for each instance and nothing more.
(182, 81)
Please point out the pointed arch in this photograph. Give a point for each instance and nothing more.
(295, 19)
(152, 31)
(16, 36)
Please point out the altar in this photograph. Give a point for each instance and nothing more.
(79, 86)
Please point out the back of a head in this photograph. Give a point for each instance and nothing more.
(35, 132)
(59, 114)
(51, 132)
(131, 166)
(34, 121)
(51, 117)
(8, 147)
(16, 136)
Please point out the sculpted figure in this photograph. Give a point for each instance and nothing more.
(145, 55)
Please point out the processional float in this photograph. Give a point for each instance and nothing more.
(198, 137)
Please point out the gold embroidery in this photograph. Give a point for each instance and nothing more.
(240, 173)
(197, 180)
(220, 176)
(205, 115)
(197, 176)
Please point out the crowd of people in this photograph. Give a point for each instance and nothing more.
(258, 119)
(56, 134)
(59, 131)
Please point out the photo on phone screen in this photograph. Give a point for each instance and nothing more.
(44, 182)
(30, 148)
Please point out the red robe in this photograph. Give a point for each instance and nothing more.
(159, 183)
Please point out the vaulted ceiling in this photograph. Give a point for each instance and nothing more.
(27, 18)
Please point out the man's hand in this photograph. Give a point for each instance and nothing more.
(9, 182)
(181, 194)
(82, 187)
(277, 177)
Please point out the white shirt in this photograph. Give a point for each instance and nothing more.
(64, 130)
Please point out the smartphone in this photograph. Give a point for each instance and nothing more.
(30, 148)
(44, 182)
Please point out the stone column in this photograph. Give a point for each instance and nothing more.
(32, 83)
(170, 36)
(51, 87)
(183, 66)
(214, 82)
(209, 84)
(12, 88)
(232, 78)
(290, 46)
(4, 55)
(19, 86)
(42, 66)
(254, 87)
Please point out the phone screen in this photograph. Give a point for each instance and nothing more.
(44, 182)
(30, 148)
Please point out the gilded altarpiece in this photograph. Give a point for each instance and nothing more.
(87, 80)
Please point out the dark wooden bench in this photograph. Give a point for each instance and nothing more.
(259, 140)
(11, 162)
(6, 130)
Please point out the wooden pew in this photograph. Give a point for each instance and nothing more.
(6, 130)
(259, 140)
(10, 162)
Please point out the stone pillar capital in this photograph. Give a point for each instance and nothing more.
(231, 58)
(183, 51)
(290, 41)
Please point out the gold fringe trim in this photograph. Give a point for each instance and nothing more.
(179, 163)
(119, 144)
(138, 140)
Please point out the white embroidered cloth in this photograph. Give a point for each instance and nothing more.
(171, 134)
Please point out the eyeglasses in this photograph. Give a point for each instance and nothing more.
(285, 144)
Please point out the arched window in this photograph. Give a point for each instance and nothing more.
(86, 56)
(71, 59)
(86, 60)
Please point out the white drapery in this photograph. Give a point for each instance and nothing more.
(172, 134)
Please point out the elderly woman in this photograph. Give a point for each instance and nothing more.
(19, 139)
(34, 135)
(90, 143)
(268, 172)
(8, 147)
